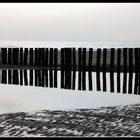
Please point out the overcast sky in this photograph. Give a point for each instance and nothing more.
(70, 21)
(65, 22)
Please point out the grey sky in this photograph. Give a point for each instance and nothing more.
(70, 21)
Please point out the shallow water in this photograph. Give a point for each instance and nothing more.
(26, 98)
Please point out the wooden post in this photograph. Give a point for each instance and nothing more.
(21, 63)
(79, 68)
(84, 69)
(90, 68)
(104, 68)
(4, 61)
(74, 69)
(10, 63)
(130, 71)
(15, 62)
(118, 69)
(55, 67)
(46, 64)
(62, 67)
(36, 64)
(51, 65)
(124, 70)
(112, 70)
(68, 68)
(98, 69)
(136, 70)
(43, 64)
(25, 63)
(39, 70)
(31, 64)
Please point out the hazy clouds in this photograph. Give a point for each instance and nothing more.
(70, 22)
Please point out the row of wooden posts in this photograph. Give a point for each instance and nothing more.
(14, 63)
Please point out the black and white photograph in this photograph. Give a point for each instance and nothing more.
(69, 70)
